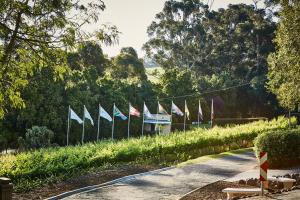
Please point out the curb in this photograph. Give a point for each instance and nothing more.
(109, 183)
(196, 190)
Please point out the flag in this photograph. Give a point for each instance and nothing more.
(104, 114)
(212, 109)
(74, 116)
(87, 115)
(186, 110)
(147, 112)
(200, 111)
(133, 111)
(176, 110)
(161, 110)
(117, 113)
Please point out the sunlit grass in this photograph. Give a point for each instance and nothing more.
(171, 149)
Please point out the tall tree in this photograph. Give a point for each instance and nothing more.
(284, 64)
(128, 65)
(29, 32)
(233, 42)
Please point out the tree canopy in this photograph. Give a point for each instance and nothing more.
(33, 32)
(284, 64)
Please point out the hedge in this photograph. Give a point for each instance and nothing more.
(282, 146)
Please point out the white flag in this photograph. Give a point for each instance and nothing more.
(161, 109)
(104, 114)
(147, 112)
(74, 116)
(200, 111)
(186, 110)
(87, 115)
(176, 110)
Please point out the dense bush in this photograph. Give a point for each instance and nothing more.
(282, 146)
(38, 136)
(176, 147)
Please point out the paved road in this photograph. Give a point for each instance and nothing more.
(174, 182)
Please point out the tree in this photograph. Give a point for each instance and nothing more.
(284, 64)
(231, 43)
(177, 33)
(88, 54)
(128, 65)
(236, 40)
(30, 31)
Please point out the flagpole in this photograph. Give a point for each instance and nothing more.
(128, 120)
(157, 116)
(113, 124)
(171, 117)
(68, 130)
(199, 113)
(143, 120)
(185, 106)
(212, 112)
(82, 138)
(98, 131)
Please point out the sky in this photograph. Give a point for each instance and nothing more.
(132, 17)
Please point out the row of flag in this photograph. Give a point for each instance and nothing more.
(132, 112)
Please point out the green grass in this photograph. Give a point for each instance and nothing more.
(213, 156)
(53, 164)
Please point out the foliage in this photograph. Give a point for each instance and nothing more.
(282, 147)
(38, 137)
(128, 65)
(85, 82)
(57, 162)
(223, 48)
(88, 55)
(284, 64)
(33, 34)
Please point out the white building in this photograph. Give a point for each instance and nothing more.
(159, 123)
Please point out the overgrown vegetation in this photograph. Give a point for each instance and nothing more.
(30, 169)
(282, 146)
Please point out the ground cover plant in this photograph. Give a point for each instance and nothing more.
(31, 169)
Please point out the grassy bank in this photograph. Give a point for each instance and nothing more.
(31, 169)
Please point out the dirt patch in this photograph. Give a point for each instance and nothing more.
(213, 191)
(93, 178)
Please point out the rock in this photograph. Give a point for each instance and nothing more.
(243, 182)
(287, 176)
(271, 190)
(251, 182)
(295, 176)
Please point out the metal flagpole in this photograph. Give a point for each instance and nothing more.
(128, 121)
(143, 120)
(157, 117)
(184, 116)
(82, 138)
(113, 124)
(212, 112)
(171, 117)
(98, 131)
(198, 113)
(68, 130)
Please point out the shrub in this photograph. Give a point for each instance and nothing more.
(38, 136)
(282, 146)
